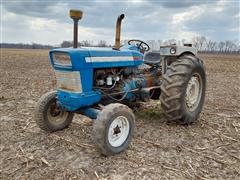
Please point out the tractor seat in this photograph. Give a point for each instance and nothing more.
(152, 58)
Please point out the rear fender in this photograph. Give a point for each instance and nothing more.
(179, 50)
(168, 57)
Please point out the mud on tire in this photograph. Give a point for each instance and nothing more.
(103, 126)
(175, 89)
(49, 119)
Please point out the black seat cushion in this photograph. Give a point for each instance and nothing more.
(152, 58)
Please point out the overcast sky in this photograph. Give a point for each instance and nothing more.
(47, 21)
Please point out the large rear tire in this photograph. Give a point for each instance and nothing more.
(48, 116)
(183, 89)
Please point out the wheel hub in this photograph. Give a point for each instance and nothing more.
(54, 110)
(56, 115)
(193, 92)
(118, 131)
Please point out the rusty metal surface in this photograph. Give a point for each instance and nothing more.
(118, 31)
(149, 79)
(75, 34)
(76, 15)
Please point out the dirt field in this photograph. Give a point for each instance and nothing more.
(208, 149)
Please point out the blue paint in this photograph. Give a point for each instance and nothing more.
(90, 112)
(135, 83)
(73, 101)
(78, 57)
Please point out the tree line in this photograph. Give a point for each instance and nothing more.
(200, 42)
(25, 46)
(86, 43)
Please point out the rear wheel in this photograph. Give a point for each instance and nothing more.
(183, 89)
(113, 128)
(49, 116)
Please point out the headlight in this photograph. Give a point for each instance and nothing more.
(62, 59)
(172, 51)
(69, 81)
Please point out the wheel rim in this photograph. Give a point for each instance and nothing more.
(55, 115)
(118, 131)
(193, 92)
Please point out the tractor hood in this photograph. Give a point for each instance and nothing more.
(95, 57)
(74, 69)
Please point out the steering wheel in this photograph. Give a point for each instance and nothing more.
(144, 47)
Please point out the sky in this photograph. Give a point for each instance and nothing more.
(48, 22)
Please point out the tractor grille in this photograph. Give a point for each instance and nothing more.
(69, 81)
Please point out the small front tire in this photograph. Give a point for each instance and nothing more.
(48, 116)
(113, 129)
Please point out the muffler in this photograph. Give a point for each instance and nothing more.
(76, 15)
(118, 32)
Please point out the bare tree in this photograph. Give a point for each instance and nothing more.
(86, 43)
(210, 46)
(199, 42)
(102, 43)
(221, 46)
(66, 44)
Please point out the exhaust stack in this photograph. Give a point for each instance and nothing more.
(76, 15)
(118, 31)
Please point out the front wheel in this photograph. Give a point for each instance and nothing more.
(49, 116)
(113, 128)
(183, 89)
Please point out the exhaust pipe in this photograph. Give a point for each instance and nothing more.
(118, 31)
(76, 15)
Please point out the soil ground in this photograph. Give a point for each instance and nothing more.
(208, 149)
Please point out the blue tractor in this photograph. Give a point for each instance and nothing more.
(103, 83)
